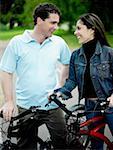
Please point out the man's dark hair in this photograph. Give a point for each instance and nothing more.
(43, 11)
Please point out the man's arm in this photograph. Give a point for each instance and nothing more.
(7, 86)
(63, 75)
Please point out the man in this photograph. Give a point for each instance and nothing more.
(34, 57)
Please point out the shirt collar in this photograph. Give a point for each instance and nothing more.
(26, 37)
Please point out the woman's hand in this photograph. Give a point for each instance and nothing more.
(58, 95)
(110, 99)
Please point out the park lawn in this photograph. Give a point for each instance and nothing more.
(8, 34)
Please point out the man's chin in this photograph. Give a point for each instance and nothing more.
(48, 36)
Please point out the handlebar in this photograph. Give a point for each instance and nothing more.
(55, 99)
(31, 111)
(78, 107)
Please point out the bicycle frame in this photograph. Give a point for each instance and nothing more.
(95, 131)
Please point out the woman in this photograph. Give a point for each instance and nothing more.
(91, 68)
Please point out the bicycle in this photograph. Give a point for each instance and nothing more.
(78, 136)
(78, 126)
(34, 114)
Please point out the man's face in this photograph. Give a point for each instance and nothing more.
(49, 25)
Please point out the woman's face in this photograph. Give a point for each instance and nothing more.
(82, 33)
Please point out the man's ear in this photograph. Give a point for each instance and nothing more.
(39, 20)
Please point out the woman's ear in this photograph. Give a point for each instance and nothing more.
(93, 30)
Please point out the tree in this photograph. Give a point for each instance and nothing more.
(16, 11)
(5, 6)
(10, 11)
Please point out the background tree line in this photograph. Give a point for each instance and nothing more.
(20, 11)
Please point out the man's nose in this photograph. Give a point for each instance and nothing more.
(56, 26)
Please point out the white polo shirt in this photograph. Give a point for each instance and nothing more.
(35, 66)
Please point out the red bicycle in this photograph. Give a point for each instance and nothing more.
(78, 131)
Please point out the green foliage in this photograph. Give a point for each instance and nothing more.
(16, 8)
(71, 9)
(110, 38)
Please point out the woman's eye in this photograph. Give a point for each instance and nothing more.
(78, 28)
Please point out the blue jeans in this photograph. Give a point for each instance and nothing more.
(93, 105)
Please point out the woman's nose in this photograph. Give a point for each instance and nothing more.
(75, 32)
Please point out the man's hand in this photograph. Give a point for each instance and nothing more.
(7, 109)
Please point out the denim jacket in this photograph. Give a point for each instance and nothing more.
(101, 71)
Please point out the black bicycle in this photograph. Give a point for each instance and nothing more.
(34, 115)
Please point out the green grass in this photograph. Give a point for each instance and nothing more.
(8, 34)
(68, 37)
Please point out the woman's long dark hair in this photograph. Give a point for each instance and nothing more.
(93, 21)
